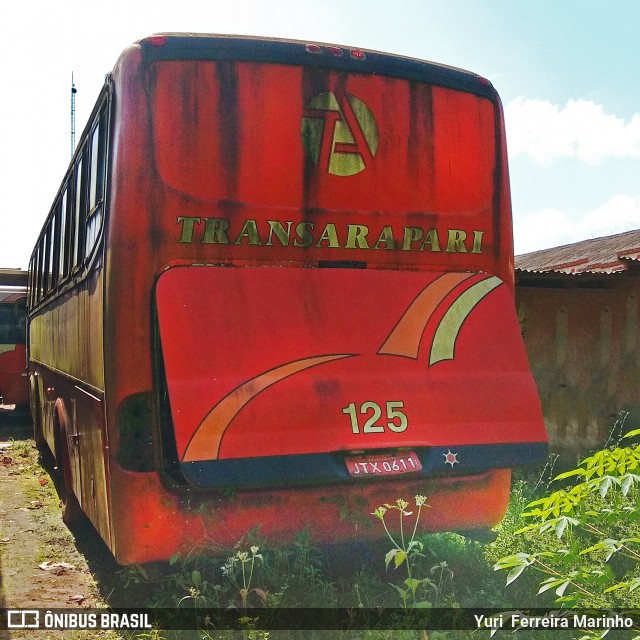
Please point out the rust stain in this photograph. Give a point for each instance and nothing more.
(420, 149)
(314, 82)
(229, 134)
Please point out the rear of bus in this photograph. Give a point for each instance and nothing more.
(309, 295)
(14, 389)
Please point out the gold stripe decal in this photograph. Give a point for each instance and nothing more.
(446, 334)
(205, 442)
(405, 338)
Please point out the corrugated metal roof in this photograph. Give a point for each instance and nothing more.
(610, 254)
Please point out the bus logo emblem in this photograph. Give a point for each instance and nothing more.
(339, 133)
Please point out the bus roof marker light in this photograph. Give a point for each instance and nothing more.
(358, 54)
(336, 52)
(157, 41)
(313, 48)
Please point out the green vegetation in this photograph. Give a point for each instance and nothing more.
(573, 541)
(584, 538)
(580, 544)
(408, 551)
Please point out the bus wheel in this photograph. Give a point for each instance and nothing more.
(71, 510)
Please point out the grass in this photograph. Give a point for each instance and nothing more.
(441, 570)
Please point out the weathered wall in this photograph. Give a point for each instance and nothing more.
(582, 338)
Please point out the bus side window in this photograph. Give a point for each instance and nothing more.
(96, 180)
(48, 257)
(54, 247)
(40, 289)
(32, 279)
(65, 235)
(30, 282)
(79, 209)
(35, 279)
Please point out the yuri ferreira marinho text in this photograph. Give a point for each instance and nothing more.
(551, 621)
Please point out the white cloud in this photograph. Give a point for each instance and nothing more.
(541, 230)
(552, 227)
(581, 129)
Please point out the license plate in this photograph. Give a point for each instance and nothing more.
(382, 464)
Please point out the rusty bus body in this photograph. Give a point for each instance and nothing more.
(275, 289)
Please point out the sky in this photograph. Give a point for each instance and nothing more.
(566, 70)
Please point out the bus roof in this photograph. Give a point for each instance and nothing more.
(196, 46)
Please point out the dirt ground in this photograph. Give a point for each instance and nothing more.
(42, 563)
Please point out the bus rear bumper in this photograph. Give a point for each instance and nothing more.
(165, 523)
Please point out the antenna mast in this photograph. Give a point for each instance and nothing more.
(73, 115)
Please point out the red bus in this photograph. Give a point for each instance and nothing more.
(275, 288)
(14, 389)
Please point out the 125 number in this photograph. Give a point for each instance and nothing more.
(371, 412)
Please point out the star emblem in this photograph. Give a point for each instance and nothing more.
(451, 458)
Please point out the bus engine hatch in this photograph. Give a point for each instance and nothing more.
(290, 376)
